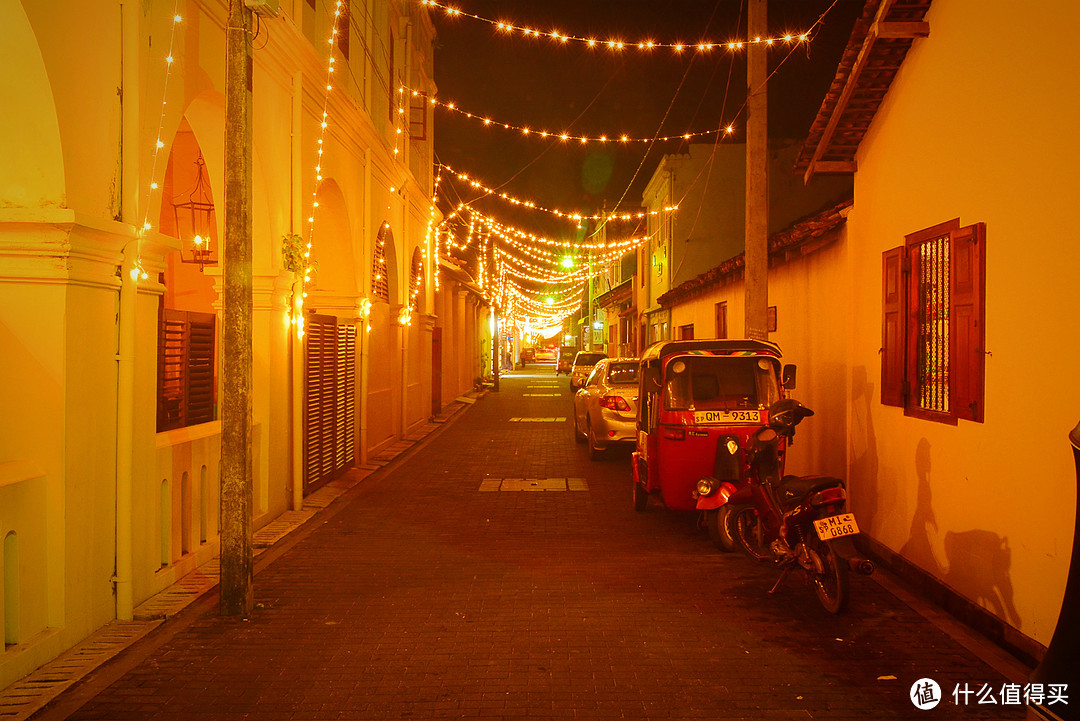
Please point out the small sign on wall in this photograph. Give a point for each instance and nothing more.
(772, 318)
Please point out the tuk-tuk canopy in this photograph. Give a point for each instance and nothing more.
(732, 346)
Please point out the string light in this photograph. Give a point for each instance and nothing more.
(615, 44)
(138, 272)
(576, 216)
(309, 267)
(565, 136)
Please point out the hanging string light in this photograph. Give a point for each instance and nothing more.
(137, 272)
(309, 267)
(616, 44)
(576, 216)
(565, 136)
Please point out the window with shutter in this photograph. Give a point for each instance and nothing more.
(185, 369)
(933, 292)
(329, 399)
(380, 281)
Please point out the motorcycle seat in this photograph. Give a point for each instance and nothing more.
(793, 489)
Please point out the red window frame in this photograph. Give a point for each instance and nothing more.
(933, 323)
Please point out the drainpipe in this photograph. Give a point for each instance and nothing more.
(125, 424)
(296, 344)
(125, 381)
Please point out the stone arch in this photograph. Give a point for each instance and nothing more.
(31, 155)
(331, 243)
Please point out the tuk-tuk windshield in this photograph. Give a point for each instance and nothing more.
(720, 383)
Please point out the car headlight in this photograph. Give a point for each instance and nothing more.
(732, 446)
(705, 486)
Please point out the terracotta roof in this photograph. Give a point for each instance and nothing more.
(619, 294)
(879, 42)
(796, 235)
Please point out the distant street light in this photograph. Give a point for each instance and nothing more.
(568, 262)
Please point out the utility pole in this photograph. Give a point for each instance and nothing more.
(757, 175)
(236, 481)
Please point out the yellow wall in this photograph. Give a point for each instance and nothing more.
(971, 130)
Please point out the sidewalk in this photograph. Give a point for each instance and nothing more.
(498, 573)
(25, 697)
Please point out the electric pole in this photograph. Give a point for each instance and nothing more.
(236, 350)
(757, 174)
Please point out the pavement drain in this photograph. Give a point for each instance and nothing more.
(553, 419)
(534, 484)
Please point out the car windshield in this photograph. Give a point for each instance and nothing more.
(623, 374)
(720, 383)
(588, 359)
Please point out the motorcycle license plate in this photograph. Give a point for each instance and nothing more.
(703, 417)
(836, 526)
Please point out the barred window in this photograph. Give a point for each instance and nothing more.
(933, 296)
(380, 282)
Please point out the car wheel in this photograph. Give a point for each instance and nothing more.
(595, 454)
(641, 497)
(579, 437)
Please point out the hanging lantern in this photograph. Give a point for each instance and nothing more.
(195, 220)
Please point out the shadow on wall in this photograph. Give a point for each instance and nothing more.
(977, 562)
(864, 460)
(919, 547)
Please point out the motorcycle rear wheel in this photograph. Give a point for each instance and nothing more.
(749, 533)
(831, 586)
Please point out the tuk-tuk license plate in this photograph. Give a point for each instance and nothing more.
(836, 526)
(703, 417)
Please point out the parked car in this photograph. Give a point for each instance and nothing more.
(528, 355)
(545, 355)
(605, 409)
(582, 366)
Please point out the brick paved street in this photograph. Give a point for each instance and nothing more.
(425, 597)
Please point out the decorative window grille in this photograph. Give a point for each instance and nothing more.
(932, 344)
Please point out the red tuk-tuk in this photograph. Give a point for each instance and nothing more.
(693, 394)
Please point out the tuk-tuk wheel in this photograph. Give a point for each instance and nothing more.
(641, 497)
(718, 524)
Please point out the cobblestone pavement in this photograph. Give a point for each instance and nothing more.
(426, 597)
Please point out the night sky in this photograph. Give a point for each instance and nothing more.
(543, 84)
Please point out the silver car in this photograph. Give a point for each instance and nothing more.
(605, 409)
(584, 362)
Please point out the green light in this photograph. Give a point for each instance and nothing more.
(549, 300)
(568, 262)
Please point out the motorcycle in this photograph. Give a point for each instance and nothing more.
(794, 521)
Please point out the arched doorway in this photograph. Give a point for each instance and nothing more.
(384, 343)
(330, 347)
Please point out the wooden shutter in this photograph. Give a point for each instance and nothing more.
(329, 399)
(185, 369)
(172, 341)
(200, 368)
(344, 397)
(967, 331)
(892, 327)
